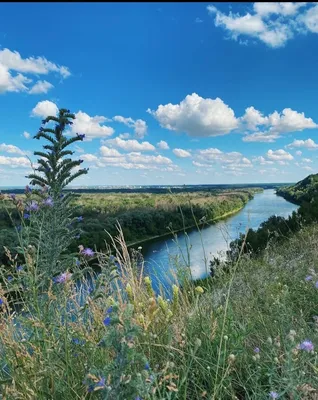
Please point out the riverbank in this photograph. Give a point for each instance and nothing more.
(190, 227)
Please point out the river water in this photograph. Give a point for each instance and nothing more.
(196, 248)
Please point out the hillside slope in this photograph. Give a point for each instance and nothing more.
(303, 190)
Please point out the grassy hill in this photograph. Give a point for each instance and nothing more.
(303, 190)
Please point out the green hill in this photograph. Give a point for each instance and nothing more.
(303, 191)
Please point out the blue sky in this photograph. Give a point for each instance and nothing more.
(166, 93)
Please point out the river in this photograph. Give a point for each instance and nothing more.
(193, 248)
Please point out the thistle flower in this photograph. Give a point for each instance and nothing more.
(48, 202)
(10, 278)
(107, 321)
(19, 268)
(88, 252)
(256, 350)
(109, 310)
(62, 278)
(273, 395)
(308, 278)
(306, 345)
(100, 383)
(33, 206)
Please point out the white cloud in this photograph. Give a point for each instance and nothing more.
(45, 108)
(253, 118)
(91, 127)
(124, 136)
(271, 23)
(215, 155)
(163, 145)
(262, 161)
(279, 155)
(260, 137)
(130, 145)
(26, 135)
(41, 87)
(307, 160)
(308, 144)
(39, 65)
(307, 168)
(298, 153)
(198, 20)
(197, 116)
(139, 125)
(141, 158)
(89, 157)
(107, 152)
(9, 83)
(10, 148)
(181, 153)
(15, 162)
(290, 121)
(79, 149)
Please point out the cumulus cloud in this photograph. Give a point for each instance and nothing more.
(307, 144)
(124, 135)
(10, 148)
(107, 152)
(307, 168)
(91, 127)
(307, 160)
(89, 157)
(130, 145)
(26, 135)
(197, 116)
(163, 145)
(279, 155)
(13, 69)
(271, 23)
(45, 108)
(262, 161)
(181, 153)
(139, 125)
(15, 162)
(298, 153)
(41, 87)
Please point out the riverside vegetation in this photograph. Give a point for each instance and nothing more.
(248, 333)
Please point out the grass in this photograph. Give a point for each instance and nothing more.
(235, 336)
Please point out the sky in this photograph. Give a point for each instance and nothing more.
(166, 93)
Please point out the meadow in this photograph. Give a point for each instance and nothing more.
(250, 332)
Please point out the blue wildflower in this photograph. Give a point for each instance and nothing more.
(78, 263)
(308, 278)
(110, 309)
(26, 216)
(1, 302)
(10, 278)
(316, 284)
(306, 345)
(256, 350)
(80, 219)
(107, 321)
(274, 395)
(12, 195)
(49, 202)
(147, 366)
(19, 268)
(100, 383)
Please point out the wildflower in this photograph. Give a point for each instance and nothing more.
(88, 252)
(19, 268)
(110, 309)
(107, 321)
(80, 219)
(308, 278)
(1, 302)
(48, 202)
(10, 278)
(256, 350)
(316, 285)
(199, 289)
(28, 189)
(12, 195)
(78, 341)
(62, 278)
(273, 395)
(147, 366)
(26, 216)
(33, 206)
(78, 263)
(100, 383)
(306, 345)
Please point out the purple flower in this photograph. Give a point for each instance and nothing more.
(19, 268)
(26, 216)
(63, 277)
(12, 195)
(33, 206)
(256, 350)
(28, 189)
(80, 219)
(306, 345)
(273, 395)
(78, 263)
(90, 388)
(10, 278)
(100, 383)
(147, 366)
(49, 202)
(88, 252)
(316, 284)
(138, 398)
(308, 278)
(1, 302)
(110, 309)
(107, 321)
